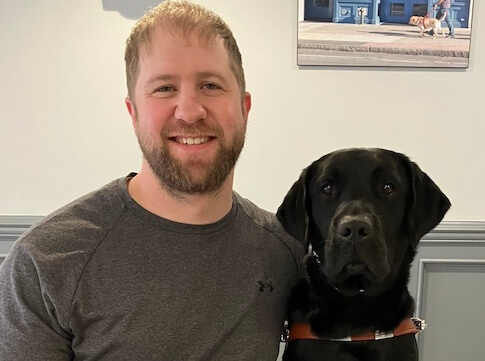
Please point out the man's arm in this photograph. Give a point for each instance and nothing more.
(438, 4)
(28, 315)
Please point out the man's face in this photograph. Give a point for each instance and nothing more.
(188, 112)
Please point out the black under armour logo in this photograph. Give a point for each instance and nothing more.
(265, 286)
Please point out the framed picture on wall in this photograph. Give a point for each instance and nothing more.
(385, 33)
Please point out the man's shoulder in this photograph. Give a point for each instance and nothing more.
(50, 257)
(83, 220)
(268, 221)
(260, 216)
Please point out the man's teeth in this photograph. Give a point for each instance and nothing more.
(191, 141)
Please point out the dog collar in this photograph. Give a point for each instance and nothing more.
(303, 331)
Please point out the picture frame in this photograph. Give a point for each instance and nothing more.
(384, 33)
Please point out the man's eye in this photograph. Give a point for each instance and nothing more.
(211, 86)
(165, 88)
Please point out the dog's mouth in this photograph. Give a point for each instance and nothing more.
(355, 278)
(355, 268)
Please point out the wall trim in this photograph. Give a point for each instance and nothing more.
(422, 272)
(12, 226)
(456, 231)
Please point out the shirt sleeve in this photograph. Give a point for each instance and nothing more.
(28, 316)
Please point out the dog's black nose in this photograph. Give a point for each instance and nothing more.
(355, 228)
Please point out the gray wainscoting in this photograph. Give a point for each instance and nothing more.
(11, 227)
(447, 281)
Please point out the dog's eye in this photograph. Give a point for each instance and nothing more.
(388, 188)
(328, 189)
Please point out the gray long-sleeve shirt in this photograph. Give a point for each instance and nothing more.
(103, 279)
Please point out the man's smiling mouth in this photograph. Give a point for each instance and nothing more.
(192, 141)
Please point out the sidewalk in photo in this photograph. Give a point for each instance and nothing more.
(384, 38)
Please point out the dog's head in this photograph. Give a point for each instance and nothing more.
(415, 20)
(363, 212)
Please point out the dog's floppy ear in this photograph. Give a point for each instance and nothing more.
(428, 204)
(293, 213)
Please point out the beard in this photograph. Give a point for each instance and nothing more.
(197, 176)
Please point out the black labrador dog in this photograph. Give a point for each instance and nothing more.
(361, 213)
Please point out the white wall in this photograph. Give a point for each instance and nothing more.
(64, 130)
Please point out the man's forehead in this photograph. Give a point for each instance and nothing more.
(167, 50)
(187, 37)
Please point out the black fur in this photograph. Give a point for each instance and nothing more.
(363, 212)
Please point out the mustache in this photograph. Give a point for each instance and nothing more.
(198, 128)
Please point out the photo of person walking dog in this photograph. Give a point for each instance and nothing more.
(385, 33)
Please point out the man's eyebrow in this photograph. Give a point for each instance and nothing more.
(200, 76)
(210, 74)
(161, 77)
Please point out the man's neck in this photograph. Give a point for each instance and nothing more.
(189, 208)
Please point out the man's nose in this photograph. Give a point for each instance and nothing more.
(189, 107)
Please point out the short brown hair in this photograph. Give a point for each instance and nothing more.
(185, 17)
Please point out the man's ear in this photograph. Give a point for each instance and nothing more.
(246, 105)
(130, 106)
(428, 204)
(295, 211)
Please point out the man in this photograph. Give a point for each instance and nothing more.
(444, 12)
(169, 263)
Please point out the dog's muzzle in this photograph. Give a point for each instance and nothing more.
(355, 252)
